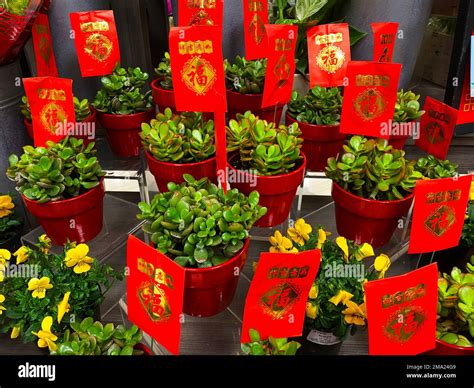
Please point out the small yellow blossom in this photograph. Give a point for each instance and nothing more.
(22, 255)
(6, 205)
(300, 232)
(64, 306)
(281, 244)
(77, 258)
(39, 287)
(342, 244)
(354, 314)
(45, 337)
(382, 264)
(341, 297)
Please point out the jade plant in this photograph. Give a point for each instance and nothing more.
(81, 108)
(270, 347)
(58, 171)
(198, 225)
(16, 7)
(163, 72)
(264, 148)
(123, 92)
(179, 138)
(407, 107)
(467, 237)
(246, 77)
(434, 168)
(320, 106)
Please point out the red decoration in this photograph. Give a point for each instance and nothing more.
(52, 107)
(369, 98)
(155, 292)
(255, 18)
(437, 128)
(329, 51)
(385, 35)
(43, 45)
(401, 312)
(438, 214)
(200, 12)
(276, 300)
(466, 105)
(96, 40)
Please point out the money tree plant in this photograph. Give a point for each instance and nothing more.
(246, 77)
(163, 72)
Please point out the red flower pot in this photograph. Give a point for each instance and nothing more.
(162, 97)
(241, 103)
(208, 291)
(445, 349)
(365, 220)
(321, 142)
(29, 127)
(77, 219)
(165, 172)
(276, 192)
(123, 131)
(145, 349)
(398, 142)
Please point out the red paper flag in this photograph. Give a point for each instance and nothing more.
(437, 128)
(52, 107)
(42, 42)
(200, 12)
(96, 40)
(385, 35)
(401, 312)
(281, 65)
(438, 213)
(329, 52)
(221, 148)
(276, 300)
(155, 292)
(370, 98)
(255, 18)
(198, 69)
(466, 105)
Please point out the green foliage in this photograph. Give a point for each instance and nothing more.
(60, 171)
(246, 77)
(407, 107)
(163, 71)
(25, 108)
(467, 237)
(16, 7)
(179, 138)
(434, 168)
(197, 224)
(81, 108)
(270, 347)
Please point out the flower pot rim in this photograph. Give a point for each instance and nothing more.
(288, 116)
(127, 115)
(154, 84)
(463, 349)
(244, 94)
(356, 197)
(171, 164)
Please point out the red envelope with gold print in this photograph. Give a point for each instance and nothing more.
(385, 36)
(466, 105)
(255, 18)
(43, 46)
(200, 12)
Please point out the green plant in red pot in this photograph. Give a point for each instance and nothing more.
(269, 347)
(162, 86)
(318, 114)
(179, 144)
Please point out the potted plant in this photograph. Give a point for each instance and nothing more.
(467, 237)
(206, 231)
(122, 107)
(267, 158)
(245, 81)
(62, 186)
(162, 86)
(318, 115)
(270, 347)
(178, 144)
(10, 224)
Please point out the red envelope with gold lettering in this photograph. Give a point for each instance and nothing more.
(466, 105)
(329, 52)
(200, 12)
(401, 313)
(438, 214)
(198, 69)
(155, 292)
(43, 46)
(96, 40)
(52, 107)
(370, 97)
(385, 36)
(255, 18)
(276, 300)
(437, 128)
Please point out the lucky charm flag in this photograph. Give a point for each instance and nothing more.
(43, 46)
(155, 292)
(96, 40)
(401, 312)
(385, 36)
(438, 213)
(466, 105)
(200, 12)
(329, 52)
(255, 18)
(281, 44)
(369, 99)
(276, 300)
(52, 107)
(436, 128)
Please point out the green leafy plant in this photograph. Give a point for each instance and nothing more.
(270, 347)
(123, 93)
(81, 108)
(246, 77)
(264, 148)
(60, 171)
(407, 107)
(15, 7)
(9, 220)
(163, 72)
(197, 224)
(467, 237)
(434, 168)
(179, 138)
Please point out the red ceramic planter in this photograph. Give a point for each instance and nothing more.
(162, 97)
(208, 291)
(398, 142)
(364, 220)
(165, 172)
(123, 131)
(145, 349)
(276, 192)
(77, 219)
(241, 103)
(445, 349)
(29, 127)
(321, 142)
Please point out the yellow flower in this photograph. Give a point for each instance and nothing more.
(6, 205)
(471, 192)
(300, 233)
(45, 243)
(2, 308)
(15, 332)
(22, 254)
(354, 314)
(5, 255)
(311, 310)
(281, 244)
(77, 258)
(382, 264)
(39, 287)
(341, 297)
(2, 272)
(322, 237)
(342, 243)
(45, 337)
(64, 306)
(313, 293)
(364, 251)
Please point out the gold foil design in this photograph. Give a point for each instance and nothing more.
(51, 115)
(95, 26)
(369, 104)
(330, 59)
(99, 47)
(198, 75)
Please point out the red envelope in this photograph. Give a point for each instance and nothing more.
(276, 300)
(329, 51)
(437, 128)
(52, 107)
(401, 313)
(281, 44)
(43, 46)
(200, 12)
(96, 40)
(466, 105)
(255, 18)
(438, 214)
(198, 69)
(155, 292)
(385, 36)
